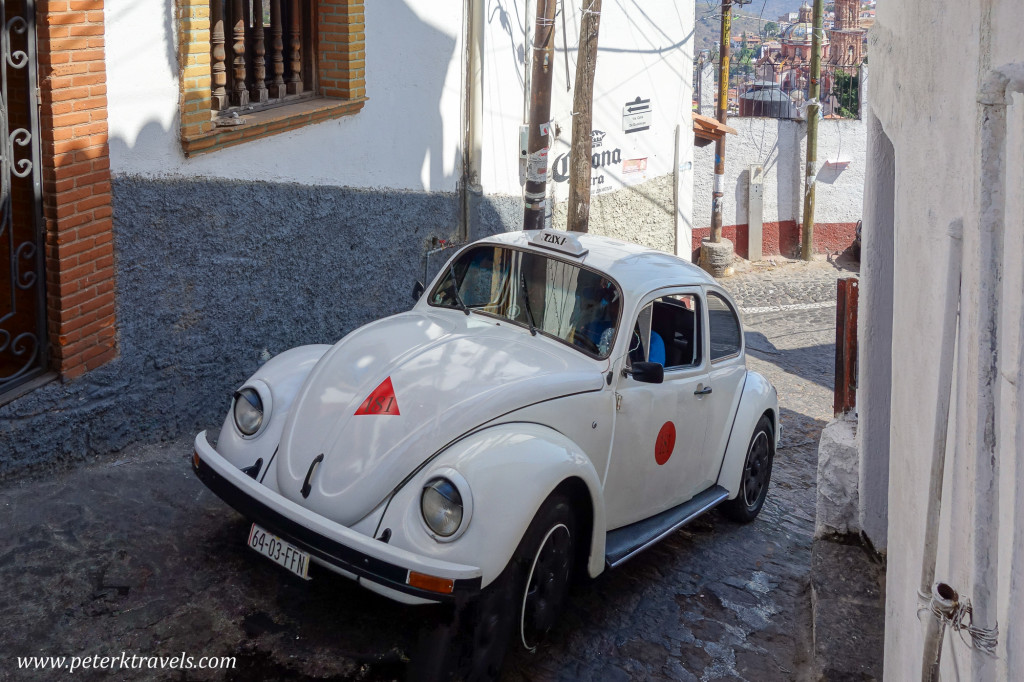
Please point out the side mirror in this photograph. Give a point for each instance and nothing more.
(417, 290)
(649, 372)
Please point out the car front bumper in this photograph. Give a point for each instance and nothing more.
(375, 564)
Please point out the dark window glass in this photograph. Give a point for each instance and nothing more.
(724, 326)
(564, 301)
(668, 331)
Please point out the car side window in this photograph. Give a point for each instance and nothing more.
(724, 325)
(668, 331)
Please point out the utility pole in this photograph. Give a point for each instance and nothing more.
(723, 116)
(810, 172)
(716, 253)
(582, 121)
(540, 115)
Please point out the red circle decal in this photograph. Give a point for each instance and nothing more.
(665, 444)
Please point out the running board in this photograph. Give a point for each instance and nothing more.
(624, 543)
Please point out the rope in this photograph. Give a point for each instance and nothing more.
(962, 620)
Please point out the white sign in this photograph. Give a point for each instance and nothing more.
(559, 241)
(636, 116)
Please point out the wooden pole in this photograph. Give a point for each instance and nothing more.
(810, 176)
(540, 115)
(218, 69)
(582, 119)
(718, 194)
(239, 93)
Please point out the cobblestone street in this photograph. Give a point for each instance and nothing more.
(132, 553)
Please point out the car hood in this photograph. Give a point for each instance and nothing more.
(448, 373)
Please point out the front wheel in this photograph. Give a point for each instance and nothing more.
(757, 472)
(546, 555)
(521, 605)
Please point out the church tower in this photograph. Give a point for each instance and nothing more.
(847, 36)
(806, 14)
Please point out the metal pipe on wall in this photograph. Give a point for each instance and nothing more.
(934, 629)
(994, 98)
(472, 153)
(982, 627)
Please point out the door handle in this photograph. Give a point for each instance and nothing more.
(703, 391)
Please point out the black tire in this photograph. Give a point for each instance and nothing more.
(757, 473)
(521, 605)
(544, 561)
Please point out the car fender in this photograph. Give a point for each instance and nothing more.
(758, 396)
(509, 469)
(278, 382)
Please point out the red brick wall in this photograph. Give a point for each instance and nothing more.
(76, 185)
(783, 238)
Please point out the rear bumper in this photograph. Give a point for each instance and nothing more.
(330, 542)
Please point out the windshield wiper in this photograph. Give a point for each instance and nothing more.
(526, 303)
(455, 288)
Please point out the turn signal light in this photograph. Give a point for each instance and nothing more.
(431, 583)
(195, 459)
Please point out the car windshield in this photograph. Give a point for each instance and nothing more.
(558, 299)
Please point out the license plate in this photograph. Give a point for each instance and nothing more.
(280, 552)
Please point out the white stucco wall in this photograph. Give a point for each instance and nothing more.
(645, 53)
(780, 147)
(408, 135)
(925, 97)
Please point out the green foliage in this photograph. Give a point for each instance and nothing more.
(742, 62)
(846, 88)
(771, 29)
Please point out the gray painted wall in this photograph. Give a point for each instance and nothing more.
(643, 214)
(216, 276)
(213, 276)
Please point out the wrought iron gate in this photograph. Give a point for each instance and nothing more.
(23, 343)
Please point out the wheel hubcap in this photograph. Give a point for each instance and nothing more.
(546, 586)
(755, 473)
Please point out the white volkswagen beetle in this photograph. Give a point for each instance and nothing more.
(554, 405)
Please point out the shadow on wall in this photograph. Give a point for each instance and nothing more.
(397, 140)
(418, 56)
(215, 276)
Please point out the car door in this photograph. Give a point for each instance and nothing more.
(658, 441)
(726, 373)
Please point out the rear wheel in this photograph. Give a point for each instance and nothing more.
(757, 473)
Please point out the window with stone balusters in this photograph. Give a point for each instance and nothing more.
(255, 68)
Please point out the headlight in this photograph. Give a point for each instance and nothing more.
(248, 411)
(441, 505)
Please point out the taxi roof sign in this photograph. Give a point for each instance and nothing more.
(557, 240)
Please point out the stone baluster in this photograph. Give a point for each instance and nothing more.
(295, 81)
(277, 85)
(258, 93)
(218, 70)
(239, 94)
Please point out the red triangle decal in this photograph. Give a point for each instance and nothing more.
(381, 401)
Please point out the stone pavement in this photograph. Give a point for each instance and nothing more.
(133, 554)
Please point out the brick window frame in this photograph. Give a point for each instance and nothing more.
(340, 79)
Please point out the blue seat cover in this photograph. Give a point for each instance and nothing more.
(657, 353)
